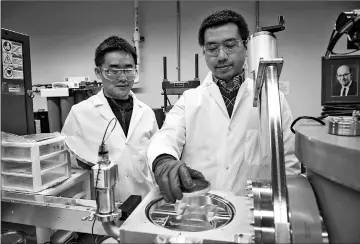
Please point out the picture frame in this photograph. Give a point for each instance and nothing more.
(340, 80)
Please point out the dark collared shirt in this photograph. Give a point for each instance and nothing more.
(229, 95)
(122, 109)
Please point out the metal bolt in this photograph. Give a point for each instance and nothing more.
(251, 208)
(253, 237)
(250, 195)
(238, 238)
(252, 223)
(248, 188)
(249, 182)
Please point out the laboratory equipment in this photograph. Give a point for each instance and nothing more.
(178, 87)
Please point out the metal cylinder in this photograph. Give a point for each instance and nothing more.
(54, 114)
(105, 178)
(196, 66)
(261, 45)
(165, 69)
(106, 200)
(65, 105)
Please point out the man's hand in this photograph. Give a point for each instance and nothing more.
(171, 175)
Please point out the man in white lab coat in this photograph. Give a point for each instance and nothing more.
(214, 129)
(126, 142)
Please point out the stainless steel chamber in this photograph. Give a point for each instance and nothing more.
(213, 217)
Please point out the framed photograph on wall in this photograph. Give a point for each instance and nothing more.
(340, 80)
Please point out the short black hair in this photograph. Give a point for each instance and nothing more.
(223, 17)
(113, 43)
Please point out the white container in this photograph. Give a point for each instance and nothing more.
(31, 165)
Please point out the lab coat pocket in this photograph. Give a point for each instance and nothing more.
(142, 164)
(252, 148)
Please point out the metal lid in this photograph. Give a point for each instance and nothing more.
(345, 126)
(201, 187)
(13, 237)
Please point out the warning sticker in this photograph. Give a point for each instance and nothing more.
(8, 73)
(18, 74)
(17, 61)
(7, 58)
(12, 59)
(6, 45)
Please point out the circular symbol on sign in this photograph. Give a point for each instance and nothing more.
(8, 72)
(7, 46)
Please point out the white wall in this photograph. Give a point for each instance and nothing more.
(64, 35)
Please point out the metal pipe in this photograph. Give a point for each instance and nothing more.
(278, 176)
(196, 66)
(165, 68)
(112, 230)
(178, 38)
(137, 39)
(257, 11)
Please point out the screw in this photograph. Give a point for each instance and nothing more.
(250, 195)
(251, 208)
(238, 238)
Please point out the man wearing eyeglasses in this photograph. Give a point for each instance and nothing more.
(345, 85)
(214, 129)
(126, 141)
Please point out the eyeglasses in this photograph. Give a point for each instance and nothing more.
(229, 47)
(343, 75)
(113, 74)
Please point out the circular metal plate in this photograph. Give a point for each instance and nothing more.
(13, 237)
(192, 214)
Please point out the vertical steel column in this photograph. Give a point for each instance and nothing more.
(278, 176)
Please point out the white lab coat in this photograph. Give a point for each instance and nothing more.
(227, 151)
(85, 127)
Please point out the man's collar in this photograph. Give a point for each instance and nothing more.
(238, 80)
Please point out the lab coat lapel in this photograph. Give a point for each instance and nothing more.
(215, 92)
(106, 112)
(136, 115)
(243, 91)
(104, 107)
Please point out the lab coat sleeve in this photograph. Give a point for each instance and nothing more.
(69, 129)
(170, 139)
(80, 148)
(292, 164)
